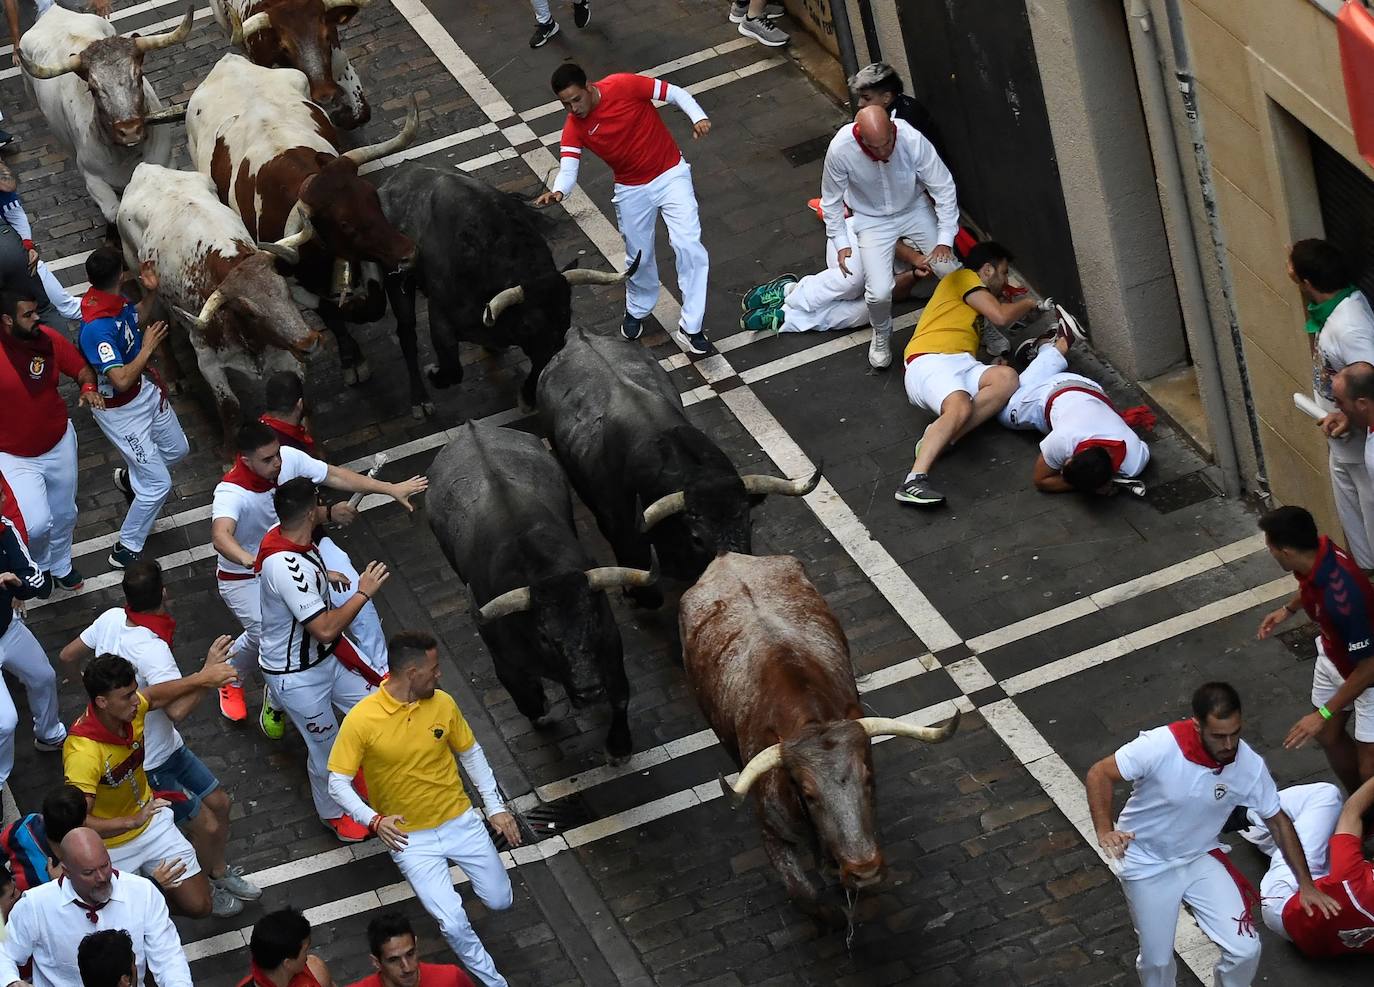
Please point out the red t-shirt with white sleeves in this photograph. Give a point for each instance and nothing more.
(35, 416)
(625, 129)
(1351, 883)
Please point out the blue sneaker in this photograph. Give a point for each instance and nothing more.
(631, 328)
(123, 557)
(770, 294)
(762, 320)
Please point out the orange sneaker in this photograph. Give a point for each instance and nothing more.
(231, 703)
(346, 829)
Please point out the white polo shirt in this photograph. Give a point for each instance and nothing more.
(153, 663)
(295, 590)
(1078, 418)
(1177, 808)
(252, 510)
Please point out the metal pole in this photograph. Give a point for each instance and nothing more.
(844, 39)
(875, 51)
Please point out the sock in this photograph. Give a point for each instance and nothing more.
(913, 475)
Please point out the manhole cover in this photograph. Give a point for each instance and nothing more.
(807, 151)
(1178, 494)
(1301, 642)
(547, 820)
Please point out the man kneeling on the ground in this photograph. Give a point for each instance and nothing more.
(1087, 443)
(943, 375)
(1331, 836)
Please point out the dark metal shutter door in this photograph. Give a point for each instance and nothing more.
(1347, 204)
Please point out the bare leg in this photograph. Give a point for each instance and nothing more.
(210, 832)
(959, 415)
(1341, 751)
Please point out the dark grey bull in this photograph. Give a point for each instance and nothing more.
(502, 513)
(487, 271)
(616, 421)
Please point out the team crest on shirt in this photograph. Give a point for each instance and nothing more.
(1219, 792)
(105, 352)
(438, 733)
(37, 365)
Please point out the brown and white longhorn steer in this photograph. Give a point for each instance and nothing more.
(770, 668)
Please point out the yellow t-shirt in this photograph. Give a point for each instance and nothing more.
(406, 753)
(111, 771)
(949, 324)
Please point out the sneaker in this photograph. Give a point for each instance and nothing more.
(71, 582)
(582, 12)
(1026, 350)
(231, 703)
(49, 746)
(346, 829)
(764, 31)
(693, 343)
(918, 491)
(630, 327)
(271, 721)
(542, 34)
(770, 294)
(880, 350)
(739, 10)
(7, 139)
(815, 206)
(1069, 327)
(762, 320)
(120, 476)
(222, 903)
(122, 557)
(233, 881)
(45, 590)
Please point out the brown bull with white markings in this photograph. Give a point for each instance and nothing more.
(770, 668)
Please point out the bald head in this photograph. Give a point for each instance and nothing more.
(876, 130)
(1353, 389)
(87, 864)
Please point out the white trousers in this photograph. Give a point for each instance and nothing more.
(1314, 810)
(45, 487)
(310, 699)
(1354, 494)
(637, 208)
(149, 437)
(1216, 904)
(541, 11)
(243, 597)
(875, 242)
(829, 299)
(366, 628)
(22, 656)
(1047, 373)
(424, 863)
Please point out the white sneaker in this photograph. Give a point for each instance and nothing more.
(880, 350)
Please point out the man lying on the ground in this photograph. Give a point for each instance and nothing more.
(1087, 443)
(1331, 835)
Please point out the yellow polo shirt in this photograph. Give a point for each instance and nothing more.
(949, 324)
(112, 772)
(406, 753)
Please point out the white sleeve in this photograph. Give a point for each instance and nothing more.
(1056, 451)
(567, 174)
(1139, 757)
(161, 944)
(341, 790)
(685, 102)
(14, 214)
(17, 948)
(292, 579)
(474, 762)
(157, 665)
(939, 183)
(1357, 341)
(62, 299)
(834, 181)
(295, 463)
(1265, 796)
(226, 502)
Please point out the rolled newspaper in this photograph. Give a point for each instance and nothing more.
(378, 461)
(1308, 407)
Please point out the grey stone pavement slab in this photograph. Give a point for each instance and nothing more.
(989, 882)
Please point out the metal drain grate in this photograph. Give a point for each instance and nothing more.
(1301, 642)
(1178, 494)
(547, 820)
(807, 151)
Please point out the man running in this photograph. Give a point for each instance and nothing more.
(1337, 595)
(395, 955)
(615, 118)
(404, 737)
(545, 27)
(882, 170)
(279, 953)
(1186, 779)
(37, 438)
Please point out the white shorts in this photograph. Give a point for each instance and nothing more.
(160, 841)
(1326, 679)
(935, 376)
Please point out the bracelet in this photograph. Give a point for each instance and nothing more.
(1290, 610)
(1325, 713)
(364, 595)
(376, 822)
(89, 388)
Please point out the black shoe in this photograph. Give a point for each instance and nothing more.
(918, 491)
(122, 558)
(71, 582)
(693, 343)
(121, 482)
(7, 139)
(542, 34)
(45, 590)
(631, 328)
(1026, 350)
(582, 12)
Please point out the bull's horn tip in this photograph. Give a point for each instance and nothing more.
(735, 797)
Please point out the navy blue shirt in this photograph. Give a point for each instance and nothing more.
(15, 558)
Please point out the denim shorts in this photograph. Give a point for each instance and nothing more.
(184, 772)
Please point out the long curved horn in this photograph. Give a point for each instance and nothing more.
(613, 576)
(169, 114)
(180, 33)
(362, 155)
(72, 63)
(258, 22)
(665, 507)
(758, 484)
(211, 306)
(881, 726)
(503, 300)
(765, 760)
(514, 601)
(288, 248)
(576, 277)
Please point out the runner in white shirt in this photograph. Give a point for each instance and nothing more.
(1087, 442)
(49, 922)
(311, 667)
(241, 515)
(1187, 778)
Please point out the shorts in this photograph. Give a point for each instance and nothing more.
(160, 841)
(935, 376)
(185, 773)
(1326, 679)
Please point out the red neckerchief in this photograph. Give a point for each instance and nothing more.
(291, 435)
(257, 978)
(97, 304)
(1189, 741)
(274, 542)
(91, 910)
(35, 363)
(241, 475)
(1116, 449)
(164, 625)
(87, 725)
(865, 148)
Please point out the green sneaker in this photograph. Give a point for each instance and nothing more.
(762, 320)
(272, 721)
(768, 295)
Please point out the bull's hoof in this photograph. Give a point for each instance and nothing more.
(543, 722)
(437, 377)
(526, 406)
(421, 411)
(616, 760)
(350, 376)
(364, 371)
